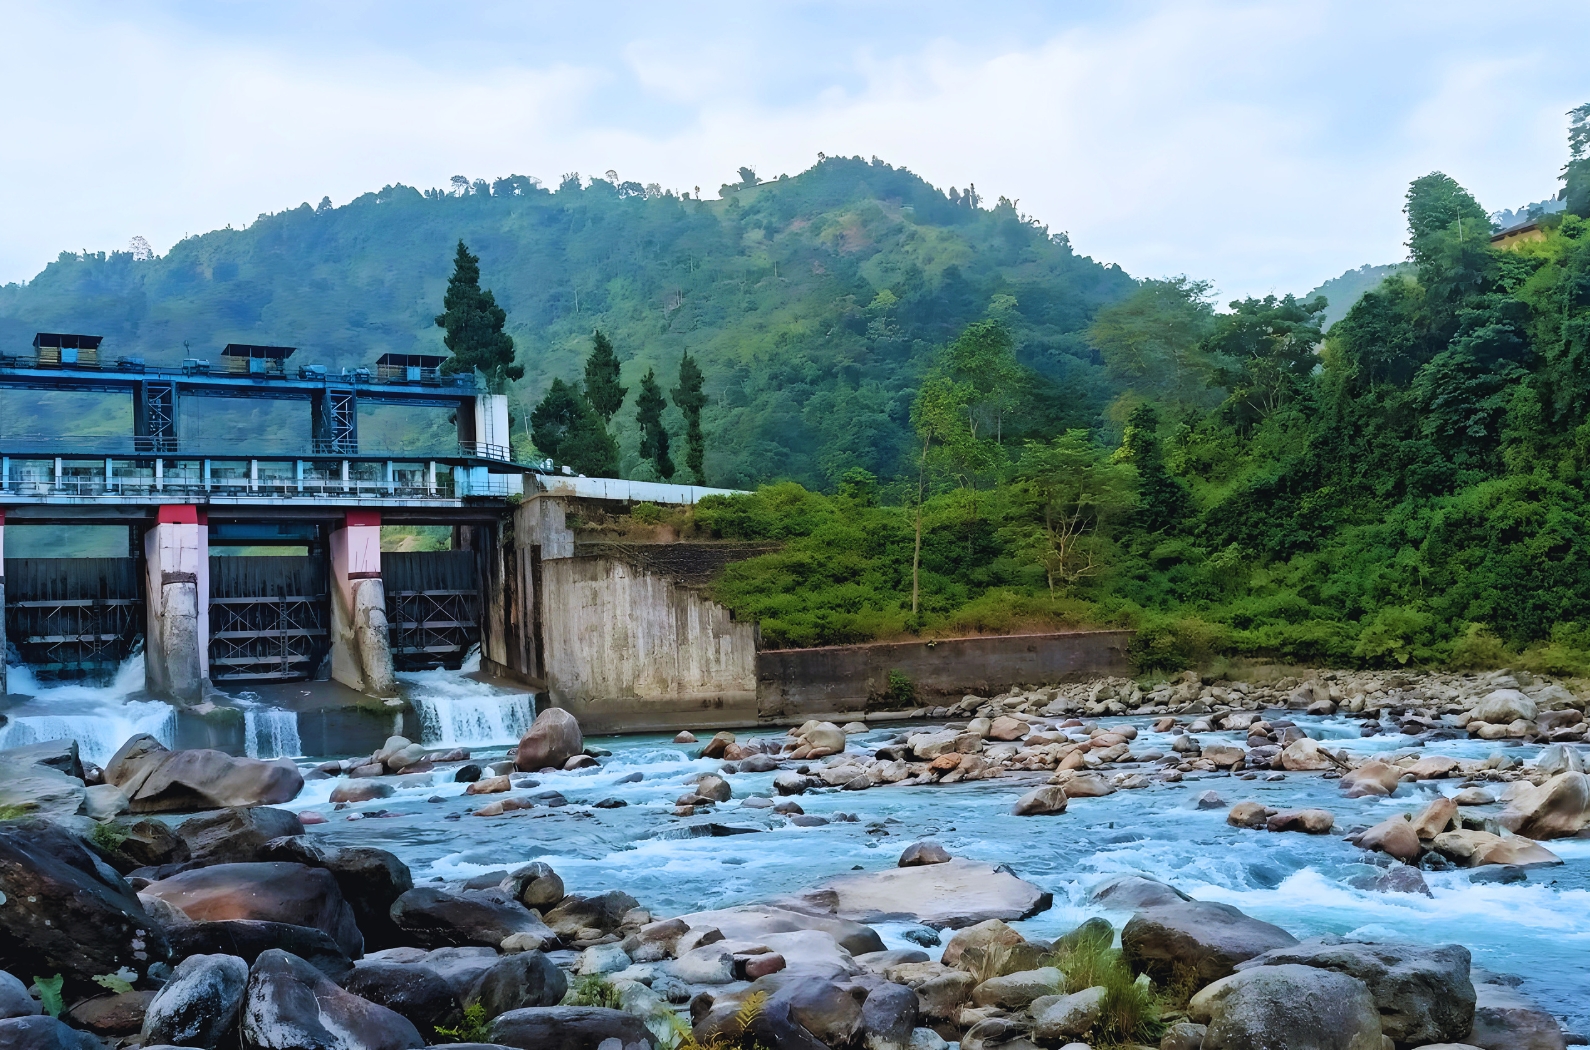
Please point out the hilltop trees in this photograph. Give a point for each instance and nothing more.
(474, 324)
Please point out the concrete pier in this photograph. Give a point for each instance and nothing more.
(4, 686)
(361, 657)
(176, 638)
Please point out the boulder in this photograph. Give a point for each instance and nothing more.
(1422, 993)
(552, 739)
(1395, 836)
(925, 852)
(1130, 892)
(158, 780)
(518, 981)
(928, 746)
(113, 1013)
(950, 895)
(146, 843)
(1249, 815)
(236, 835)
(272, 891)
(1506, 1019)
(1435, 818)
(1041, 802)
(413, 990)
(707, 964)
(1433, 768)
(1013, 991)
(44, 1033)
(980, 938)
(1066, 1017)
(1202, 937)
(1308, 821)
(600, 911)
(1224, 756)
(1287, 1007)
(435, 918)
(1305, 755)
(16, 1002)
(44, 779)
(371, 881)
(1559, 808)
(247, 939)
(1087, 785)
(1504, 706)
(290, 1005)
(757, 922)
(830, 1012)
(570, 1028)
(535, 885)
(888, 1017)
(199, 1004)
(68, 912)
(1470, 849)
(368, 790)
(1372, 778)
(1559, 758)
(714, 787)
(1007, 728)
(823, 736)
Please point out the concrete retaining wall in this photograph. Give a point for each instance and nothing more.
(631, 651)
(796, 684)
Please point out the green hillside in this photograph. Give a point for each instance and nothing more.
(811, 303)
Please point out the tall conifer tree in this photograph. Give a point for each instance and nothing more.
(690, 399)
(649, 404)
(601, 379)
(474, 324)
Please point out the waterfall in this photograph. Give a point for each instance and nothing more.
(455, 711)
(99, 718)
(270, 732)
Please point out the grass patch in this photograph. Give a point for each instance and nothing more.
(1131, 1011)
(593, 990)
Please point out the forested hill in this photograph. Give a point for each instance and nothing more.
(811, 302)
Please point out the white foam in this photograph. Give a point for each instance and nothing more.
(99, 718)
(456, 711)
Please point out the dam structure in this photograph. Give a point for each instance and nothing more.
(548, 575)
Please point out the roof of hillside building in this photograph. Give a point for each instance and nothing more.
(412, 360)
(67, 341)
(274, 353)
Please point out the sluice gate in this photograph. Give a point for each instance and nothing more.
(73, 617)
(268, 618)
(432, 607)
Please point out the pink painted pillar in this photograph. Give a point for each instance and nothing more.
(361, 657)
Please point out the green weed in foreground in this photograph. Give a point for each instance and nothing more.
(1131, 1010)
(593, 990)
(475, 1028)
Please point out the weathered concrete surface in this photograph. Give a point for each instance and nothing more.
(177, 606)
(633, 650)
(360, 656)
(796, 684)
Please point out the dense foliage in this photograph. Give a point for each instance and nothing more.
(1408, 489)
(810, 303)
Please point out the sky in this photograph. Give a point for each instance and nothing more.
(1261, 146)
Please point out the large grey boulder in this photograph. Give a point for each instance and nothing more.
(1504, 706)
(411, 989)
(1059, 1018)
(433, 918)
(66, 911)
(829, 1010)
(598, 911)
(1130, 892)
(570, 1028)
(1423, 993)
(249, 938)
(1287, 1007)
(43, 779)
(371, 881)
(158, 780)
(888, 1017)
(44, 1033)
(236, 835)
(14, 998)
(751, 922)
(552, 739)
(945, 896)
(1506, 1019)
(270, 891)
(1013, 991)
(523, 980)
(290, 1005)
(1201, 937)
(199, 1004)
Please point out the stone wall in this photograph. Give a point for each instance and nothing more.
(796, 684)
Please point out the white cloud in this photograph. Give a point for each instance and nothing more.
(1264, 146)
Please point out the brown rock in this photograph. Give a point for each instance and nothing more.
(685, 736)
(1435, 818)
(1304, 755)
(1471, 849)
(1396, 837)
(945, 763)
(116, 1014)
(1372, 778)
(489, 786)
(1249, 815)
(982, 937)
(275, 891)
(762, 965)
(717, 745)
(925, 852)
(1006, 728)
(1043, 801)
(1308, 821)
(1556, 809)
(157, 780)
(1433, 768)
(1197, 937)
(552, 739)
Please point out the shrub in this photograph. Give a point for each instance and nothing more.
(593, 990)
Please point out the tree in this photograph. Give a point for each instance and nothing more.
(688, 396)
(601, 379)
(938, 414)
(1576, 174)
(1162, 500)
(1150, 340)
(1263, 353)
(1074, 492)
(474, 324)
(567, 429)
(984, 358)
(649, 405)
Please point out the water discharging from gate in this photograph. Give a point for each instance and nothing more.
(457, 711)
(99, 717)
